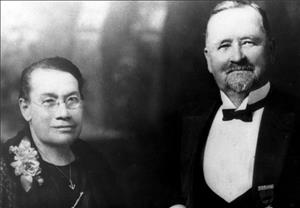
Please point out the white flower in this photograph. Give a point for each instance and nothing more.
(26, 162)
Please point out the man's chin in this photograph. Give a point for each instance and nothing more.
(240, 81)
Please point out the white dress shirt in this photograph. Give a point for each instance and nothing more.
(230, 149)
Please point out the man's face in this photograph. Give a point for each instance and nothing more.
(236, 49)
(56, 125)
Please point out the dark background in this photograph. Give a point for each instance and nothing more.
(143, 63)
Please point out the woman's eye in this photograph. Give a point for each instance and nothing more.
(226, 45)
(73, 99)
(49, 101)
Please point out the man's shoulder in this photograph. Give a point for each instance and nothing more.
(198, 108)
(287, 107)
(284, 101)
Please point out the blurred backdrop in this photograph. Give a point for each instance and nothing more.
(141, 60)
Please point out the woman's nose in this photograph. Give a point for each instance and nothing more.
(62, 111)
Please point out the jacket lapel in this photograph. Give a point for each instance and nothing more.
(274, 134)
(195, 126)
(195, 129)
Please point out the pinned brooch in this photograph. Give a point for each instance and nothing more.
(26, 164)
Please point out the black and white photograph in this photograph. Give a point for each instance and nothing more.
(150, 104)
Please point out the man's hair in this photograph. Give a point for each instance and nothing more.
(224, 5)
(53, 63)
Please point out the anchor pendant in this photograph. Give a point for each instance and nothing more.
(72, 185)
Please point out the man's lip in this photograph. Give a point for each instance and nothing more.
(239, 70)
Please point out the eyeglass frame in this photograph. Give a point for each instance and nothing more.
(58, 102)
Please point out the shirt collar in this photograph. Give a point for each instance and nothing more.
(253, 97)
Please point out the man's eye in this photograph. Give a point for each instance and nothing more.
(248, 42)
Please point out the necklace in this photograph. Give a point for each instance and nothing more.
(71, 184)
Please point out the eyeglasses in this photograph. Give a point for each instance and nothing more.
(51, 104)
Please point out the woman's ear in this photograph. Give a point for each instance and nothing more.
(25, 109)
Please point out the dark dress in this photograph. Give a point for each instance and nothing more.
(95, 185)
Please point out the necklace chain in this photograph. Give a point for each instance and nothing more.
(71, 184)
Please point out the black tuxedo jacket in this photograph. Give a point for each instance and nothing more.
(276, 177)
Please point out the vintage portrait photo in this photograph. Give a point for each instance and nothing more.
(150, 104)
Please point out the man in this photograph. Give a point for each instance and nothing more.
(47, 165)
(241, 151)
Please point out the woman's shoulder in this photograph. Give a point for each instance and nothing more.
(88, 153)
(7, 184)
(5, 154)
(84, 149)
(14, 141)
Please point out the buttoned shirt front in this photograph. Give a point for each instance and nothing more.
(230, 148)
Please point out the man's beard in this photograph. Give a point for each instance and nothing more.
(240, 78)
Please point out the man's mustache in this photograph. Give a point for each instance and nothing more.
(239, 67)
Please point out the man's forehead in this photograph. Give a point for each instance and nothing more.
(234, 21)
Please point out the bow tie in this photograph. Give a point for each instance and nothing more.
(244, 115)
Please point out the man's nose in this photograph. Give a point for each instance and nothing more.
(237, 54)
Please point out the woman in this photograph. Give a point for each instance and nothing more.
(46, 164)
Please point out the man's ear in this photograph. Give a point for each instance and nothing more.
(272, 50)
(207, 59)
(25, 109)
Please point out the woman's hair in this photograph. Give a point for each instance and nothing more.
(54, 63)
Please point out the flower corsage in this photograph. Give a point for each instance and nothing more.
(26, 164)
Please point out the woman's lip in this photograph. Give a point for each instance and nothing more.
(64, 127)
